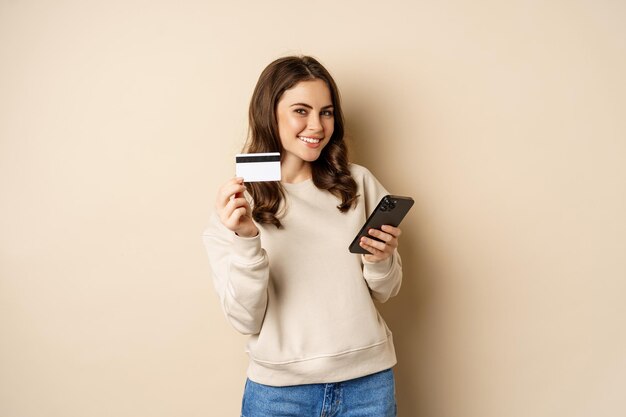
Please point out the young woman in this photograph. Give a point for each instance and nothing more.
(279, 256)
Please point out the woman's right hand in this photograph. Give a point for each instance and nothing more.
(233, 209)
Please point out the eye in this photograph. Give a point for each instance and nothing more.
(300, 111)
(327, 113)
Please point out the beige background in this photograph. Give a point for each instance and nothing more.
(504, 120)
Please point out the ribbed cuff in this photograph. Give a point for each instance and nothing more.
(377, 270)
(248, 248)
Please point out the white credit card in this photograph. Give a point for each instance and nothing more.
(255, 167)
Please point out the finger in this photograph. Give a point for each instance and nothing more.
(229, 190)
(236, 215)
(390, 240)
(381, 246)
(375, 255)
(236, 203)
(233, 220)
(372, 250)
(227, 211)
(235, 189)
(394, 231)
(386, 237)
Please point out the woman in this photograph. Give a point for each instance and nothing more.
(280, 263)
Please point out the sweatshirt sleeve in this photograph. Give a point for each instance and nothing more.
(383, 278)
(240, 270)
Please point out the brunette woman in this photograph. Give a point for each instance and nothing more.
(280, 263)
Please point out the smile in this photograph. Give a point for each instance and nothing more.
(309, 140)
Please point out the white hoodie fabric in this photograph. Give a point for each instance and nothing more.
(304, 299)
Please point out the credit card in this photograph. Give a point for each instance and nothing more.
(256, 167)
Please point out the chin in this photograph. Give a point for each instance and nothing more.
(311, 158)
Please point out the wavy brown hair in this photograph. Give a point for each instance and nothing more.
(330, 170)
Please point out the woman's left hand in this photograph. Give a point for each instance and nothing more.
(381, 250)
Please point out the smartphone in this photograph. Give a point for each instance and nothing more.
(390, 211)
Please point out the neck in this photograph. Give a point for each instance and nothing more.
(295, 171)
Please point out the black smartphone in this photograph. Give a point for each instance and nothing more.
(390, 210)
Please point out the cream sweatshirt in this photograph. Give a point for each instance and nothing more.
(304, 299)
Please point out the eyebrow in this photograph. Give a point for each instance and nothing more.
(310, 107)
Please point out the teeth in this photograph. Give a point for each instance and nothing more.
(308, 140)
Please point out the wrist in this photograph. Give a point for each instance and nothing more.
(247, 233)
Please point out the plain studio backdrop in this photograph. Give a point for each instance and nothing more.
(505, 121)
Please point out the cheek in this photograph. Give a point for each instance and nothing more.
(289, 125)
(283, 132)
(296, 124)
(329, 127)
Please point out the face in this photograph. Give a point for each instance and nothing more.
(305, 121)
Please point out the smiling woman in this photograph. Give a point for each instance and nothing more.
(305, 127)
(280, 261)
(298, 83)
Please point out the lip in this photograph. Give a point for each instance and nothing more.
(311, 145)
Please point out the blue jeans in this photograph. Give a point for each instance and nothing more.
(368, 396)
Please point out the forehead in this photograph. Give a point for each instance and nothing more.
(309, 92)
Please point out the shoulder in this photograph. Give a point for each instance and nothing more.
(363, 176)
(359, 172)
(368, 186)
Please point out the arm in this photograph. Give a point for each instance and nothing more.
(239, 265)
(382, 269)
(240, 270)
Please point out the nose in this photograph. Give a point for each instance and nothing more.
(314, 123)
